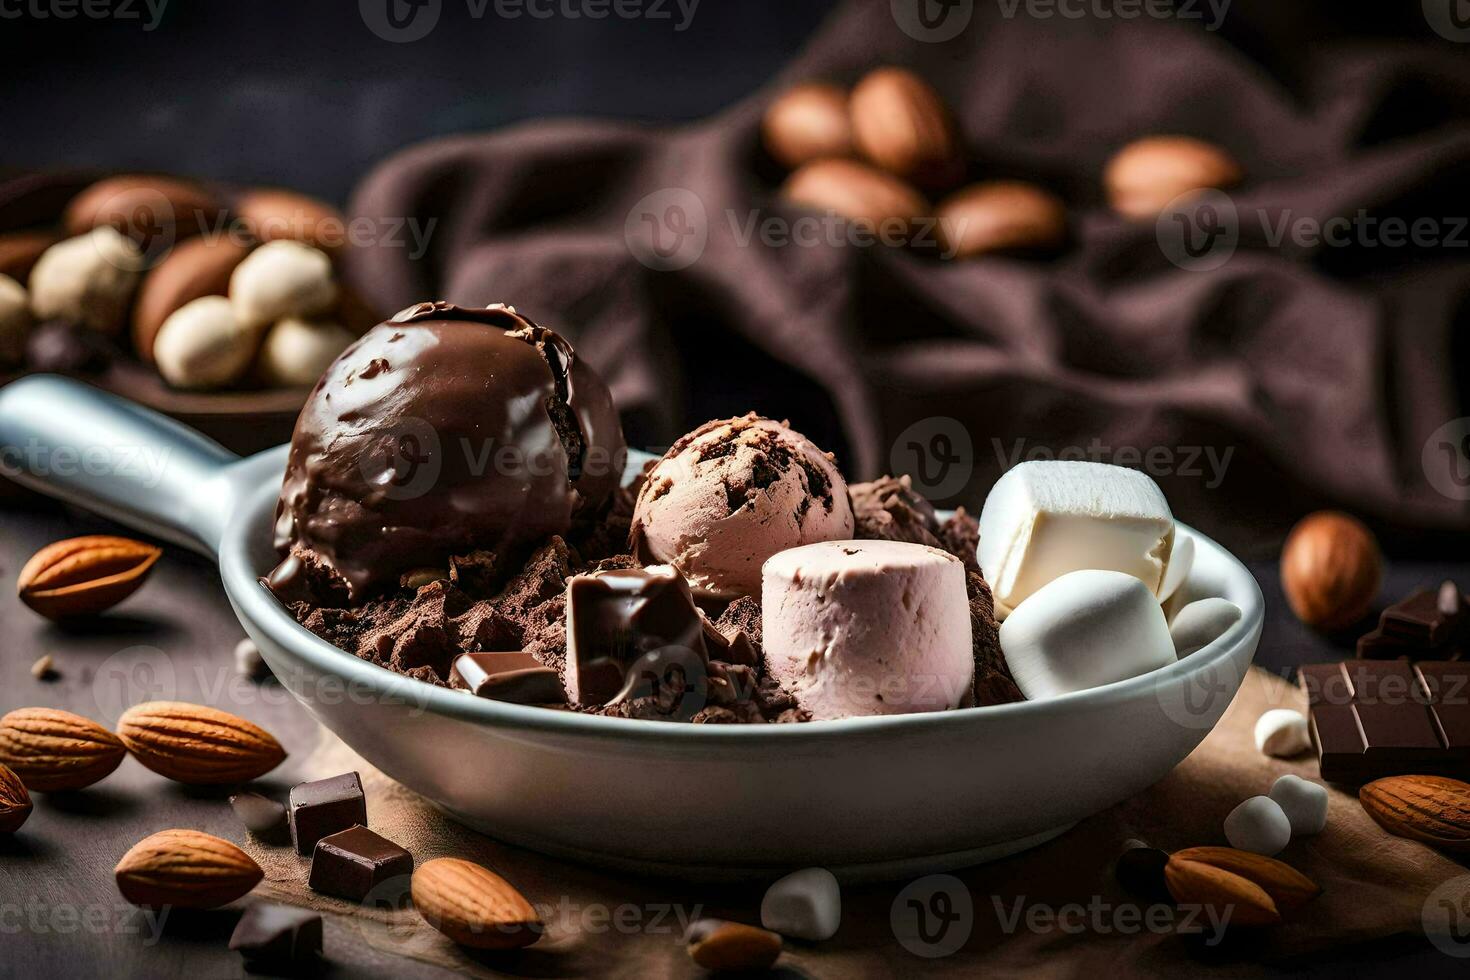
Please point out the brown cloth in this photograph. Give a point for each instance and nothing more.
(615, 925)
(1316, 373)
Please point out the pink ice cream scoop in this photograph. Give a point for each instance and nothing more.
(868, 627)
(732, 493)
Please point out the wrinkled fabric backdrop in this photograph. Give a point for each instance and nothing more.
(1288, 378)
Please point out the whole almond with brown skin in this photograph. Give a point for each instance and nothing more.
(15, 802)
(272, 213)
(473, 905)
(147, 208)
(85, 576)
(808, 122)
(1330, 570)
(1145, 176)
(1225, 892)
(876, 201)
(1431, 809)
(731, 946)
(194, 268)
(185, 869)
(901, 124)
(1288, 887)
(196, 744)
(1001, 216)
(53, 750)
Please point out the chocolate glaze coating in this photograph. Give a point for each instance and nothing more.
(443, 430)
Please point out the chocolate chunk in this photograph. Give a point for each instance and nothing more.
(262, 816)
(515, 677)
(356, 862)
(324, 807)
(1376, 718)
(278, 936)
(616, 617)
(890, 509)
(1430, 624)
(1140, 870)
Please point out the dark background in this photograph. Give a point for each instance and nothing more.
(305, 95)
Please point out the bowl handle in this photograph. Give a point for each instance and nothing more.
(109, 455)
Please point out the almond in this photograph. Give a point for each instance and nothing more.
(15, 802)
(1145, 176)
(1430, 809)
(867, 197)
(718, 945)
(1288, 887)
(808, 122)
(53, 750)
(1196, 883)
(186, 869)
(84, 576)
(1001, 216)
(901, 124)
(198, 745)
(473, 905)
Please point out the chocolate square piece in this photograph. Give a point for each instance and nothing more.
(618, 616)
(515, 677)
(262, 816)
(1430, 624)
(353, 863)
(325, 806)
(1376, 718)
(278, 935)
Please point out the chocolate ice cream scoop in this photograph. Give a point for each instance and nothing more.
(731, 494)
(441, 431)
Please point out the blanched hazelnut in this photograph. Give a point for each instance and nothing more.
(203, 345)
(296, 351)
(88, 280)
(15, 320)
(280, 279)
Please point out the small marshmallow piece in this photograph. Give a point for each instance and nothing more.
(1258, 825)
(1201, 623)
(1303, 802)
(280, 279)
(296, 351)
(805, 904)
(1181, 560)
(1043, 519)
(1282, 732)
(1083, 630)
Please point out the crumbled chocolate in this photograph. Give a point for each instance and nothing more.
(960, 536)
(888, 509)
(993, 682)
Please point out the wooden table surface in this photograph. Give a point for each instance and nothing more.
(60, 913)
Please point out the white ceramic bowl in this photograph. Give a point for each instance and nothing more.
(869, 797)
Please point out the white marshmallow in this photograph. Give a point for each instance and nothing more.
(1082, 630)
(1181, 560)
(1282, 732)
(805, 904)
(1043, 519)
(1258, 825)
(1201, 623)
(1303, 802)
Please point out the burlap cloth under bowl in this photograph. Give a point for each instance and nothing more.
(610, 924)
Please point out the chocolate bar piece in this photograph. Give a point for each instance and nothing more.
(355, 862)
(1430, 624)
(324, 807)
(615, 617)
(1375, 718)
(513, 676)
(278, 935)
(263, 817)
